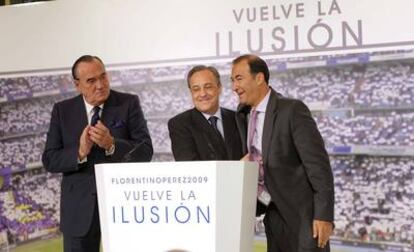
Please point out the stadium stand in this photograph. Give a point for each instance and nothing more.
(364, 103)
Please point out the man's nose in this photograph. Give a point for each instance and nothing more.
(234, 85)
(100, 83)
(203, 91)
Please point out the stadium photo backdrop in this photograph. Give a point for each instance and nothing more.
(357, 79)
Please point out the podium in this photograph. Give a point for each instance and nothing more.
(204, 206)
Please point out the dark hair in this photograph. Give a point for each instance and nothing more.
(199, 68)
(256, 64)
(84, 58)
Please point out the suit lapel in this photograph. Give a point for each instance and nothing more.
(268, 127)
(109, 110)
(241, 122)
(79, 108)
(210, 135)
(229, 131)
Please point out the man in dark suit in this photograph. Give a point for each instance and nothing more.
(206, 132)
(296, 190)
(98, 126)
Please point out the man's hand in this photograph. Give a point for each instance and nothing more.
(101, 136)
(322, 230)
(85, 143)
(245, 158)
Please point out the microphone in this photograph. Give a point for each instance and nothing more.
(136, 154)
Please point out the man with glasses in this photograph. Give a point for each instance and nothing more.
(206, 132)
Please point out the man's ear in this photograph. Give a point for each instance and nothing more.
(259, 78)
(77, 84)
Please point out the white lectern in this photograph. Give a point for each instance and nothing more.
(177, 206)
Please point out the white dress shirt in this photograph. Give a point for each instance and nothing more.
(89, 110)
(89, 114)
(219, 120)
(261, 112)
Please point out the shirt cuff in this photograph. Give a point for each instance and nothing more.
(111, 150)
(84, 160)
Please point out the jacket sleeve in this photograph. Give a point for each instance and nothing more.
(56, 157)
(182, 142)
(312, 152)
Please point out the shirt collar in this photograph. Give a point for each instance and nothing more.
(217, 114)
(89, 107)
(263, 104)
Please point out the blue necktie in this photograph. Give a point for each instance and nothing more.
(213, 122)
(95, 116)
(97, 154)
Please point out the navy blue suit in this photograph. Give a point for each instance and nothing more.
(123, 116)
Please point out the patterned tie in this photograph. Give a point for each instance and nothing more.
(95, 116)
(255, 155)
(252, 128)
(97, 154)
(213, 122)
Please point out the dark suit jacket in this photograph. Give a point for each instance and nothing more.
(123, 116)
(296, 165)
(193, 138)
